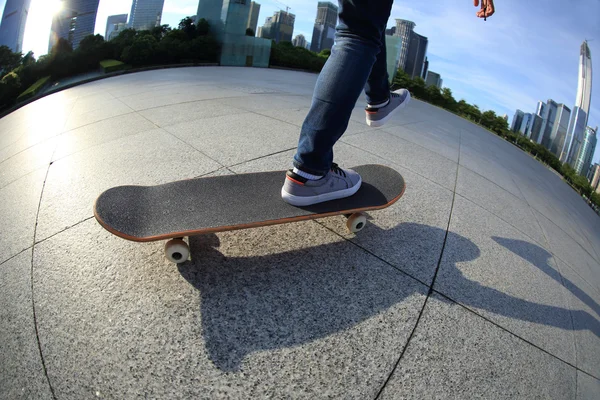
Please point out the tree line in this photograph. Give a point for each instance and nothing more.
(188, 43)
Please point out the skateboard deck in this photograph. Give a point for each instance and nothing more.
(222, 203)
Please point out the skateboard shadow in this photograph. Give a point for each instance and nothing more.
(285, 300)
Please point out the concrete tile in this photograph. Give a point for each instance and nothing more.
(587, 387)
(169, 96)
(25, 162)
(258, 103)
(570, 252)
(21, 372)
(18, 208)
(101, 132)
(187, 112)
(499, 202)
(108, 110)
(490, 170)
(584, 303)
(233, 139)
(425, 136)
(493, 269)
(455, 354)
(408, 155)
(149, 158)
(284, 311)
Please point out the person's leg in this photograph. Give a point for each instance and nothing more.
(358, 43)
(377, 88)
(381, 104)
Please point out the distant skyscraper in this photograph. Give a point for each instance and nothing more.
(111, 23)
(516, 121)
(559, 130)
(536, 128)
(76, 20)
(146, 14)
(253, 16)
(12, 27)
(425, 69)
(595, 173)
(581, 111)
(116, 30)
(324, 29)
(549, 117)
(299, 41)
(393, 46)
(404, 29)
(433, 78)
(525, 127)
(584, 159)
(415, 59)
(279, 27)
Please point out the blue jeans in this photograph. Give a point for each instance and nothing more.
(357, 62)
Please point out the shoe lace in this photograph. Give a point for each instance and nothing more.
(337, 170)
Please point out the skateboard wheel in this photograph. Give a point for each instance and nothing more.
(177, 251)
(356, 222)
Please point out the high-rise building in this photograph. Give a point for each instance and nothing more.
(12, 27)
(253, 16)
(228, 21)
(404, 29)
(584, 159)
(393, 47)
(117, 29)
(536, 128)
(584, 84)
(595, 175)
(415, 59)
(75, 20)
(433, 78)
(525, 127)
(549, 116)
(575, 134)
(146, 14)
(324, 29)
(581, 111)
(517, 121)
(559, 130)
(111, 24)
(279, 27)
(425, 69)
(299, 41)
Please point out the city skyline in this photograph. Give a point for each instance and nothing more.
(513, 61)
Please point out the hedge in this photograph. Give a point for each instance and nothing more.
(112, 66)
(33, 89)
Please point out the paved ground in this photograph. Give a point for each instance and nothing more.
(482, 282)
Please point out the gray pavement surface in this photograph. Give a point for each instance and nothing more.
(483, 281)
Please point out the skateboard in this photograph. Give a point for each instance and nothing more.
(206, 205)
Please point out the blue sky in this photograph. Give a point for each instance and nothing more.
(525, 53)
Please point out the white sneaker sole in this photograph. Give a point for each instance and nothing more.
(301, 201)
(381, 122)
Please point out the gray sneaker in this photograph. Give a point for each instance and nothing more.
(338, 183)
(377, 115)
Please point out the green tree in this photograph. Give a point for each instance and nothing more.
(8, 60)
(449, 102)
(202, 27)
(325, 53)
(28, 59)
(187, 25)
(141, 52)
(61, 47)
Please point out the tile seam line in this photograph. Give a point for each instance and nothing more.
(472, 311)
(366, 132)
(562, 279)
(35, 323)
(182, 141)
(576, 242)
(430, 291)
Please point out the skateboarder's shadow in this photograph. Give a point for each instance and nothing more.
(292, 298)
